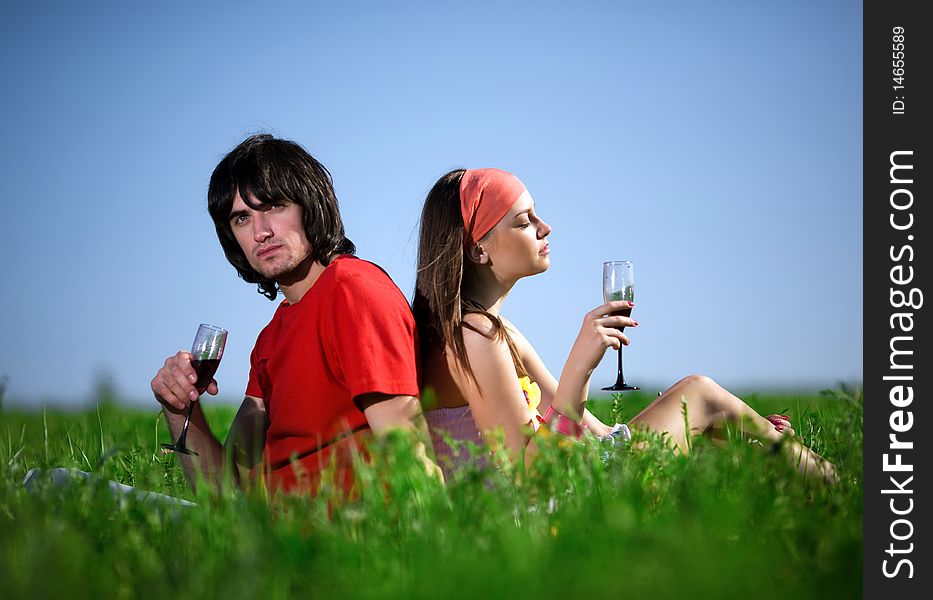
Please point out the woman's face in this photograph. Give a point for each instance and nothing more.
(517, 246)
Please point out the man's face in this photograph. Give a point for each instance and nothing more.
(273, 239)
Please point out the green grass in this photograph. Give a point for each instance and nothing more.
(719, 523)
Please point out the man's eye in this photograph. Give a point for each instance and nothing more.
(239, 219)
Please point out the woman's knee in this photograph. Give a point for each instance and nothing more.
(699, 382)
(704, 390)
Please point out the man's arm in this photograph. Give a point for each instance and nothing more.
(173, 387)
(384, 413)
(247, 438)
(210, 459)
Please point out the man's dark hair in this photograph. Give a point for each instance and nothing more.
(263, 170)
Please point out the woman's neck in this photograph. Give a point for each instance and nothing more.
(485, 289)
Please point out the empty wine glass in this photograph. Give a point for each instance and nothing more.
(619, 284)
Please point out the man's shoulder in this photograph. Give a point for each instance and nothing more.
(354, 271)
(364, 287)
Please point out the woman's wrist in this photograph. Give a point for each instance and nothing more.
(572, 408)
(561, 423)
(577, 366)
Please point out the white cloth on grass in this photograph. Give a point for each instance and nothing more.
(61, 477)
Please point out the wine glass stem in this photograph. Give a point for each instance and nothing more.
(621, 378)
(184, 428)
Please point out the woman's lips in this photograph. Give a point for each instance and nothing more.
(546, 250)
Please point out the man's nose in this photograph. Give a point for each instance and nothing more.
(262, 227)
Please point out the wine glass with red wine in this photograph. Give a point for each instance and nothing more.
(206, 351)
(619, 284)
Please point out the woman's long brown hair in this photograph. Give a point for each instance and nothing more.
(439, 305)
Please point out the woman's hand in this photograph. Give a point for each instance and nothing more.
(600, 330)
(782, 424)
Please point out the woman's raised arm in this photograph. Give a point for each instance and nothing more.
(540, 374)
(597, 334)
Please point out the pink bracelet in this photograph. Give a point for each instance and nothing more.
(562, 424)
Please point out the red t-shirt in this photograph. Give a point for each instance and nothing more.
(352, 333)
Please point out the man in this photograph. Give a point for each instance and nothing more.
(337, 361)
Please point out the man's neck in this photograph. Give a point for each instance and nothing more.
(300, 281)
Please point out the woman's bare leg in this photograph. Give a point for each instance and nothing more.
(709, 408)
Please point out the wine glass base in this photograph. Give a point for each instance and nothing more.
(178, 449)
(621, 388)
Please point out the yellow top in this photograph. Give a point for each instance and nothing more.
(532, 392)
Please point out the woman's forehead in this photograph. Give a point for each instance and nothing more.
(524, 203)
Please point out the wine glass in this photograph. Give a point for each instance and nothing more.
(619, 284)
(206, 351)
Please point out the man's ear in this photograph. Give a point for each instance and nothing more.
(477, 254)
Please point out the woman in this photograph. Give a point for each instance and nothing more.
(479, 235)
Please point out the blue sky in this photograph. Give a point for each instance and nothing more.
(718, 145)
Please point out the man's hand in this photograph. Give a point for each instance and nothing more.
(173, 385)
(385, 412)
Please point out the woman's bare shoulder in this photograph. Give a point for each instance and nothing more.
(517, 336)
(484, 347)
(478, 325)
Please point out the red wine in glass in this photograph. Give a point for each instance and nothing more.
(619, 284)
(206, 352)
(205, 370)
